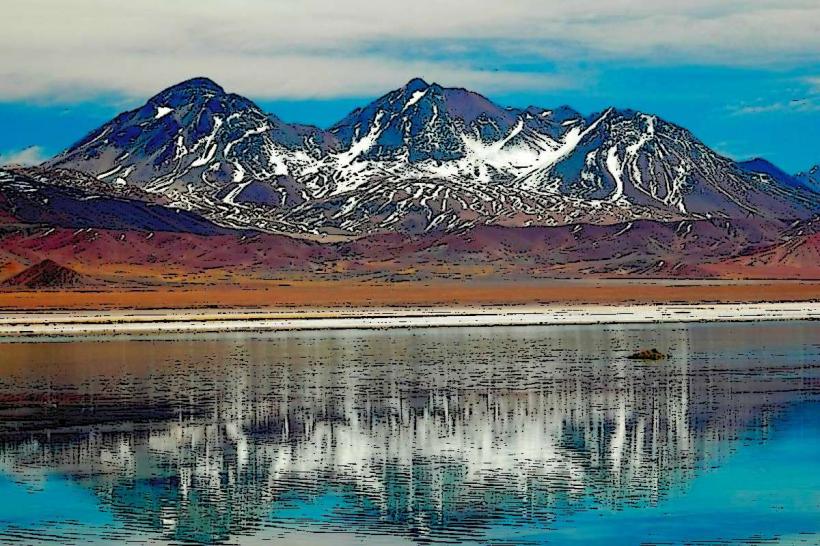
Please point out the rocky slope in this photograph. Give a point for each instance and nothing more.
(59, 199)
(46, 274)
(641, 248)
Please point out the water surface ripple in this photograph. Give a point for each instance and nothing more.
(525, 435)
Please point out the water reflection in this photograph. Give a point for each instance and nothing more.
(427, 436)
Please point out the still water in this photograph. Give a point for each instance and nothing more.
(478, 436)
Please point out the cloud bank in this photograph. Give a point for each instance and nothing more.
(64, 50)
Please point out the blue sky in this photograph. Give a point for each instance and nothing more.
(744, 76)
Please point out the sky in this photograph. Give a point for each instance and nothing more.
(742, 75)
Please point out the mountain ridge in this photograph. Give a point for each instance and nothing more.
(810, 177)
(643, 249)
(33, 197)
(422, 158)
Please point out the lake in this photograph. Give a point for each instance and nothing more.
(519, 435)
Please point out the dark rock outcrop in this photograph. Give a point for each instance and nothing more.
(647, 354)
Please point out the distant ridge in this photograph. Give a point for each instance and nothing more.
(71, 199)
(810, 178)
(762, 166)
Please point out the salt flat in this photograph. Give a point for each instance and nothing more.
(61, 323)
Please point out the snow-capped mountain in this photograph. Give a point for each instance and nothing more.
(207, 150)
(421, 158)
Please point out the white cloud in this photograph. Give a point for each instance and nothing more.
(281, 48)
(280, 76)
(809, 104)
(33, 155)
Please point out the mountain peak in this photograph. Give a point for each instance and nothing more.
(192, 87)
(195, 93)
(813, 170)
(763, 166)
(760, 165)
(416, 84)
(199, 82)
(46, 274)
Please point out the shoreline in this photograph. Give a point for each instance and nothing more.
(102, 323)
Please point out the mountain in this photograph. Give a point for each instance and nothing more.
(51, 198)
(423, 158)
(802, 181)
(810, 178)
(46, 274)
(207, 150)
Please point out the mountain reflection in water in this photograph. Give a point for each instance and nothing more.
(486, 435)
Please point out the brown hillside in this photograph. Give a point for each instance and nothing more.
(46, 274)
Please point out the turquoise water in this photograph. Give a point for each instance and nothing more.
(542, 435)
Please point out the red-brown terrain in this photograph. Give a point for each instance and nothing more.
(47, 274)
(643, 249)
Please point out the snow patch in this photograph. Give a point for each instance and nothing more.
(106, 174)
(480, 155)
(230, 198)
(163, 111)
(614, 167)
(255, 131)
(550, 157)
(210, 145)
(363, 144)
(239, 172)
(624, 230)
(414, 98)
